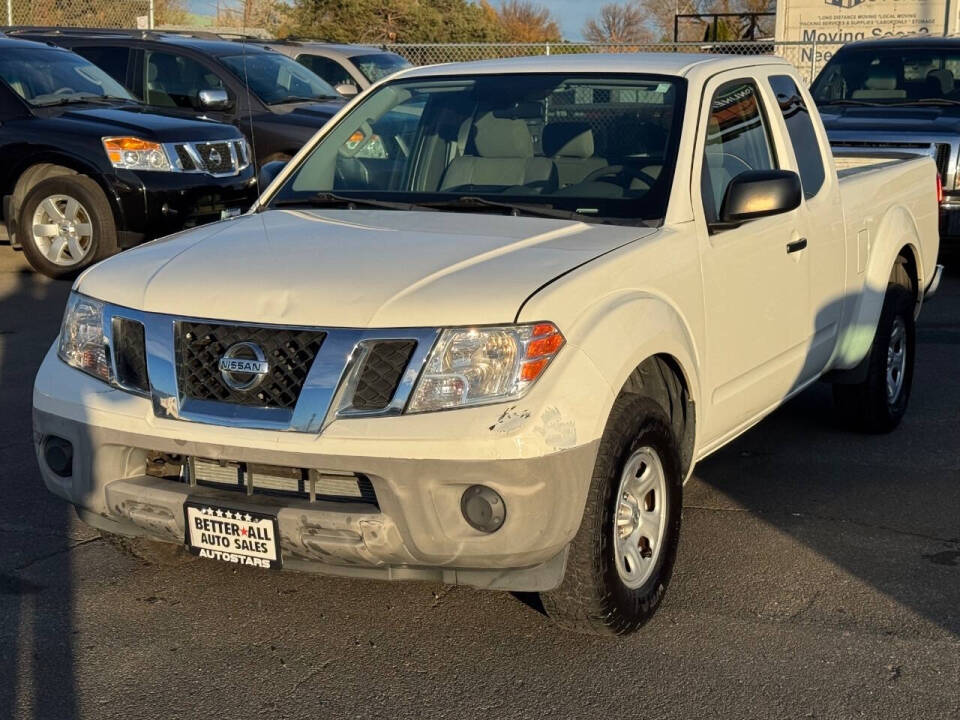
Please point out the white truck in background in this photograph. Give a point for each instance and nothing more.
(481, 329)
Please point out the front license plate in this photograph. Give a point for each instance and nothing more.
(232, 535)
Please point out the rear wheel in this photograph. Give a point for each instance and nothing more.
(65, 225)
(879, 403)
(621, 560)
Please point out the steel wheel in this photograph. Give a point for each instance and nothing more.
(896, 359)
(641, 517)
(62, 230)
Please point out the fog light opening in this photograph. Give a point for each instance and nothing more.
(58, 454)
(483, 508)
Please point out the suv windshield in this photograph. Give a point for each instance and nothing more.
(889, 76)
(600, 148)
(379, 65)
(44, 76)
(276, 79)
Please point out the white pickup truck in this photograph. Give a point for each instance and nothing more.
(482, 327)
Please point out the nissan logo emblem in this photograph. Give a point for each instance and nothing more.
(213, 158)
(243, 366)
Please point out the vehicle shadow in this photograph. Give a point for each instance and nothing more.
(36, 583)
(887, 518)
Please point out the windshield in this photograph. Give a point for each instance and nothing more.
(276, 79)
(889, 76)
(380, 65)
(44, 76)
(602, 148)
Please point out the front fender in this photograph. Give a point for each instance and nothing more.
(626, 328)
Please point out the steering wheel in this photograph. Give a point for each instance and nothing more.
(620, 175)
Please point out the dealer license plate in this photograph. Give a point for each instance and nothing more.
(232, 535)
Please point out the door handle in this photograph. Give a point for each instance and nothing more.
(797, 245)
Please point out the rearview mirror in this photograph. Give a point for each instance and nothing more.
(215, 100)
(347, 89)
(269, 172)
(758, 193)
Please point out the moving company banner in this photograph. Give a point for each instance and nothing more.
(830, 23)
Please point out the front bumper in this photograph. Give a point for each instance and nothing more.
(414, 531)
(154, 204)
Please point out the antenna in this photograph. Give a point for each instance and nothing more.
(246, 85)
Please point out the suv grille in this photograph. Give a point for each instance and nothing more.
(290, 353)
(224, 157)
(216, 157)
(381, 373)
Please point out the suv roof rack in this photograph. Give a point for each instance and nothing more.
(156, 33)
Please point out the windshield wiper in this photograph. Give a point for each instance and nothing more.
(852, 102)
(928, 101)
(302, 98)
(86, 98)
(474, 202)
(327, 199)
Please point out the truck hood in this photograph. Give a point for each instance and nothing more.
(353, 268)
(917, 120)
(139, 120)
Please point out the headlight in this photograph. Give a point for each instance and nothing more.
(82, 343)
(132, 153)
(479, 366)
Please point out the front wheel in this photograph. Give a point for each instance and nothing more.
(66, 224)
(879, 403)
(621, 560)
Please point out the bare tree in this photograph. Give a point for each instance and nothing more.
(525, 21)
(618, 23)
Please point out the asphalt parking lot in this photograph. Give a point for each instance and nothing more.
(818, 576)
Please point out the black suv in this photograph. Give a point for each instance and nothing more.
(204, 75)
(86, 170)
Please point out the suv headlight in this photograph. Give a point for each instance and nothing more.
(82, 342)
(131, 153)
(479, 366)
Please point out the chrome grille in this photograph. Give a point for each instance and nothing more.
(220, 158)
(290, 353)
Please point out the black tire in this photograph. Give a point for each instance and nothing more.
(149, 552)
(592, 597)
(867, 406)
(103, 240)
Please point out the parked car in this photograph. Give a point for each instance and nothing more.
(205, 77)
(433, 352)
(348, 68)
(898, 94)
(86, 170)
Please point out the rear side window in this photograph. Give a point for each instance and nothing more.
(111, 59)
(806, 147)
(330, 70)
(737, 141)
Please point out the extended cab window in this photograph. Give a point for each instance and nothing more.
(737, 141)
(176, 81)
(806, 147)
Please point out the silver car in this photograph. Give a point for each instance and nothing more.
(348, 68)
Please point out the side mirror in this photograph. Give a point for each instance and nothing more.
(347, 89)
(269, 172)
(215, 100)
(758, 193)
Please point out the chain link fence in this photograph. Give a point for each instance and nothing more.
(808, 57)
(82, 13)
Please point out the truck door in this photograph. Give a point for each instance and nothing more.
(821, 215)
(755, 275)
